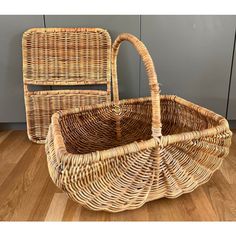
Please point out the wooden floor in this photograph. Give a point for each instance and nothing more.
(27, 192)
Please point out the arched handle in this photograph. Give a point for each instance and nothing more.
(152, 76)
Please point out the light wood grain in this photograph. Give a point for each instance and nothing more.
(27, 192)
(4, 134)
(57, 207)
(19, 181)
(12, 148)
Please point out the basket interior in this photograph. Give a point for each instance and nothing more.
(96, 130)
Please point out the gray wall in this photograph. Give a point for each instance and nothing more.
(11, 84)
(192, 54)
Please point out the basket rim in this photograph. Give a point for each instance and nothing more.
(61, 29)
(64, 155)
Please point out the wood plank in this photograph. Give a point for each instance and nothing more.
(140, 214)
(89, 215)
(13, 147)
(228, 170)
(188, 207)
(18, 181)
(4, 134)
(77, 214)
(221, 196)
(29, 199)
(43, 201)
(203, 210)
(72, 211)
(57, 207)
(5, 171)
(166, 210)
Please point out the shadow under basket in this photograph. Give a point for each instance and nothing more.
(117, 156)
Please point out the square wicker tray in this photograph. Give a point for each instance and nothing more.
(63, 56)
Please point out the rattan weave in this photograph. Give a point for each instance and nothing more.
(119, 155)
(63, 56)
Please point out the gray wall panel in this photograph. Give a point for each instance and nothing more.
(128, 60)
(11, 83)
(192, 55)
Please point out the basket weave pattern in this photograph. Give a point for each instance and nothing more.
(118, 155)
(63, 56)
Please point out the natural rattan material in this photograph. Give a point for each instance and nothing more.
(117, 156)
(63, 56)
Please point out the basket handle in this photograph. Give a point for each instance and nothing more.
(152, 76)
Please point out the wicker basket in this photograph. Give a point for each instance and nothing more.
(117, 156)
(63, 56)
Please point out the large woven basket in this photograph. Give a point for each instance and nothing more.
(61, 57)
(117, 156)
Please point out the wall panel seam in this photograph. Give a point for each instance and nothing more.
(230, 76)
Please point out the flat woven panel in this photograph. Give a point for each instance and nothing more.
(41, 105)
(63, 56)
